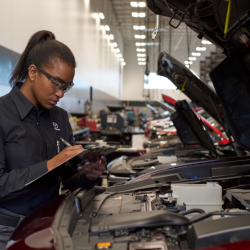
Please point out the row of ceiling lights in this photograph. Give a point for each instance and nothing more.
(196, 54)
(111, 37)
(141, 57)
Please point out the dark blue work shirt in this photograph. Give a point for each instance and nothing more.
(28, 139)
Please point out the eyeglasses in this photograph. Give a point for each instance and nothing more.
(56, 83)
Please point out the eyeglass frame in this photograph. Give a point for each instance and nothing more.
(69, 85)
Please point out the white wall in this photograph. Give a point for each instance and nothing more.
(75, 23)
(133, 74)
(133, 81)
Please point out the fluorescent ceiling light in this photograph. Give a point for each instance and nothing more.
(205, 42)
(134, 4)
(117, 50)
(111, 36)
(121, 59)
(138, 4)
(140, 50)
(196, 54)
(135, 14)
(186, 62)
(141, 59)
(141, 55)
(200, 48)
(142, 4)
(107, 28)
(140, 14)
(114, 44)
(192, 58)
(123, 63)
(140, 36)
(136, 27)
(188, 66)
(139, 44)
(120, 55)
(142, 63)
(101, 15)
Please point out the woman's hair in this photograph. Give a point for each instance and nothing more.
(42, 50)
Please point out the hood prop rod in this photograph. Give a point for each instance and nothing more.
(156, 29)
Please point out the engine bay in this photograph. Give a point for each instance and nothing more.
(180, 215)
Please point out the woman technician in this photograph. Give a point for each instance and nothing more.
(30, 127)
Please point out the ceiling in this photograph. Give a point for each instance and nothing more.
(175, 41)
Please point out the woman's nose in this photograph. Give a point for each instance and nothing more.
(59, 93)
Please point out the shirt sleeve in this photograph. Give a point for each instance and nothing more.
(13, 182)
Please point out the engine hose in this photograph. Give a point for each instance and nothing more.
(194, 210)
(174, 209)
(217, 213)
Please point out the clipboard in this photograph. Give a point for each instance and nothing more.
(69, 167)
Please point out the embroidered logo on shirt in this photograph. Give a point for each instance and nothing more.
(56, 126)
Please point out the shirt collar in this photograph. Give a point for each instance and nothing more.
(22, 104)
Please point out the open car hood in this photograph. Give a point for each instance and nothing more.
(200, 93)
(207, 18)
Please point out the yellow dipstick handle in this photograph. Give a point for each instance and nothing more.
(228, 15)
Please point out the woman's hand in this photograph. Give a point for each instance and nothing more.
(93, 169)
(64, 155)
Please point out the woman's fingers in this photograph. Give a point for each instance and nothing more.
(94, 169)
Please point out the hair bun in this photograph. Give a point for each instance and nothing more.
(47, 35)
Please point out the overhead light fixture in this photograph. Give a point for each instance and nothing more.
(107, 28)
(141, 59)
(135, 14)
(137, 27)
(114, 45)
(123, 63)
(205, 42)
(134, 4)
(196, 54)
(101, 15)
(188, 66)
(138, 4)
(117, 50)
(140, 36)
(121, 59)
(192, 58)
(140, 44)
(120, 55)
(190, 62)
(111, 36)
(141, 55)
(141, 4)
(140, 50)
(186, 62)
(200, 48)
(142, 63)
(140, 14)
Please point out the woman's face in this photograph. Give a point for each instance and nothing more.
(44, 92)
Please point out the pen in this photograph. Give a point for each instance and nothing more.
(65, 142)
(58, 146)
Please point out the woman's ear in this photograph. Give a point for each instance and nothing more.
(32, 72)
